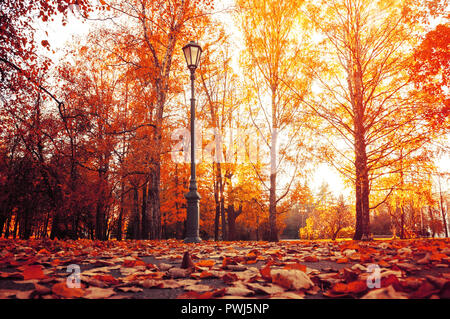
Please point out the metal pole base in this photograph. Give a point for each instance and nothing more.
(192, 222)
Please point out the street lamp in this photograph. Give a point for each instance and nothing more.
(192, 52)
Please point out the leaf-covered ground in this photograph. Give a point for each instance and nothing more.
(171, 269)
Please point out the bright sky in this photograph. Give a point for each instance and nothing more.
(59, 36)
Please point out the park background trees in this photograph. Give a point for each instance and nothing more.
(91, 146)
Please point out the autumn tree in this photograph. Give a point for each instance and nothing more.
(430, 71)
(272, 60)
(329, 218)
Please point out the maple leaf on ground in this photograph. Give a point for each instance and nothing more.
(151, 283)
(62, 290)
(425, 290)
(206, 263)
(229, 277)
(354, 287)
(130, 289)
(179, 272)
(291, 279)
(239, 289)
(295, 266)
(107, 279)
(98, 293)
(33, 272)
(41, 290)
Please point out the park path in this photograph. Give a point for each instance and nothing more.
(170, 269)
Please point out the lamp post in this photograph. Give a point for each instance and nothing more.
(192, 52)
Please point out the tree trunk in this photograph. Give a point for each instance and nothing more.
(443, 213)
(136, 226)
(232, 214)
(273, 231)
(430, 214)
(153, 204)
(217, 202)
(402, 222)
(355, 84)
(144, 217)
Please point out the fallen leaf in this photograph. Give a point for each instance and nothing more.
(310, 259)
(239, 290)
(236, 267)
(342, 260)
(295, 266)
(229, 277)
(425, 290)
(268, 289)
(33, 272)
(6, 293)
(384, 293)
(291, 279)
(41, 290)
(151, 283)
(354, 287)
(130, 289)
(62, 290)
(424, 260)
(265, 272)
(179, 272)
(24, 294)
(107, 279)
(98, 293)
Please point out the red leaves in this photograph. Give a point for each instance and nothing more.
(342, 260)
(438, 257)
(295, 266)
(205, 295)
(424, 291)
(352, 288)
(33, 272)
(133, 263)
(205, 263)
(61, 289)
(265, 273)
(310, 259)
(107, 279)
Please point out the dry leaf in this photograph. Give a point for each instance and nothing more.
(384, 293)
(130, 289)
(98, 293)
(179, 272)
(33, 272)
(151, 283)
(291, 279)
(62, 290)
(238, 290)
